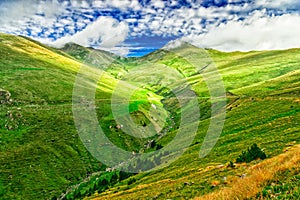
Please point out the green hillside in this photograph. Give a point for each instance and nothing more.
(263, 108)
(42, 155)
(41, 152)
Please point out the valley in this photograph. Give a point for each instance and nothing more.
(42, 153)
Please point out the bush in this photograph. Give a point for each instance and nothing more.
(253, 153)
(131, 180)
(231, 164)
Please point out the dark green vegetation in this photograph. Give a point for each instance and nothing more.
(41, 154)
(253, 153)
(96, 184)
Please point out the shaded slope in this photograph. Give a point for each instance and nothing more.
(88, 55)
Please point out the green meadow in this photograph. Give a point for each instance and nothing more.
(43, 157)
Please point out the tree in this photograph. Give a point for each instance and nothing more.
(253, 153)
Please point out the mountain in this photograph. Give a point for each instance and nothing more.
(263, 107)
(88, 55)
(43, 155)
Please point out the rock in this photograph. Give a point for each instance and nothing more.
(186, 183)
(108, 169)
(156, 120)
(119, 126)
(215, 183)
(243, 176)
(5, 96)
(220, 166)
(273, 184)
(153, 106)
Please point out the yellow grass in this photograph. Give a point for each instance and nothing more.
(259, 174)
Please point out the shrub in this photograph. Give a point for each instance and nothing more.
(231, 164)
(131, 180)
(253, 153)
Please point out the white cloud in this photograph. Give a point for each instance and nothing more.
(173, 44)
(158, 3)
(121, 51)
(23, 10)
(283, 4)
(120, 4)
(256, 33)
(16, 16)
(237, 26)
(105, 32)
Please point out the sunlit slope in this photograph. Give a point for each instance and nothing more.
(263, 67)
(238, 69)
(94, 57)
(286, 85)
(263, 107)
(277, 177)
(41, 152)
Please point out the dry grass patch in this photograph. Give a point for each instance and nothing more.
(249, 186)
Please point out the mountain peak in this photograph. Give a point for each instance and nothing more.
(175, 44)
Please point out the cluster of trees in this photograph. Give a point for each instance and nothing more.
(144, 164)
(253, 153)
(106, 179)
(97, 184)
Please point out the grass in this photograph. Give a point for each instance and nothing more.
(259, 175)
(268, 119)
(42, 154)
(285, 185)
(239, 133)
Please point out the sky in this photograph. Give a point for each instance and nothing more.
(138, 27)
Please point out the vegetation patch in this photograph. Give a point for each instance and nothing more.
(253, 153)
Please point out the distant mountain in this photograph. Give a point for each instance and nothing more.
(90, 56)
(176, 44)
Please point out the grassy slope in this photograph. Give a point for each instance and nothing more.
(41, 153)
(48, 155)
(271, 171)
(264, 108)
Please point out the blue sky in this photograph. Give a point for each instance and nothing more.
(138, 27)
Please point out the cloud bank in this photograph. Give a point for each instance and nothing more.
(255, 33)
(105, 32)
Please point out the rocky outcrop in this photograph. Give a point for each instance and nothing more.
(5, 97)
